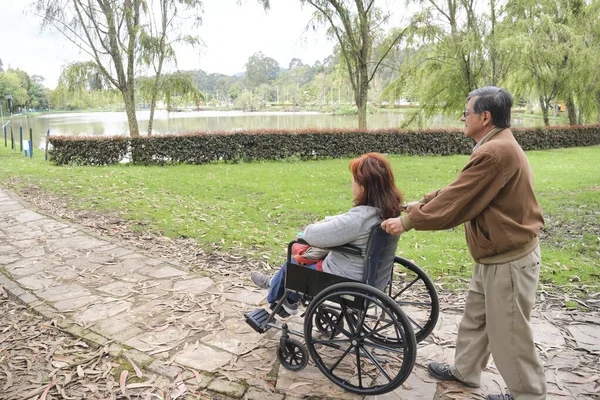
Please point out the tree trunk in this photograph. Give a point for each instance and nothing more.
(598, 101)
(152, 106)
(362, 115)
(161, 59)
(153, 99)
(571, 110)
(545, 107)
(362, 97)
(580, 115)
(129, 101)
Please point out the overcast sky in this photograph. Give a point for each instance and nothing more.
(231, 34)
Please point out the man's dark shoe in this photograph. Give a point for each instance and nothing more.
(504, 396)
(443, 372)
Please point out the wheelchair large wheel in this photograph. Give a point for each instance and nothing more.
(415, 293)
(354, 360)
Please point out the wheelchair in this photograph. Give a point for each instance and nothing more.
(361, 338)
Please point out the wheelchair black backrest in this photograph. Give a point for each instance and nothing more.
(379, 257)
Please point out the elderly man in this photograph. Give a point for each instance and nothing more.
(493, 196)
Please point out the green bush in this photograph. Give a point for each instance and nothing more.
(202, 147)
(556, 137)
(89, 150)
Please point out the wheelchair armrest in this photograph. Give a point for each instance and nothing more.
(346, 248)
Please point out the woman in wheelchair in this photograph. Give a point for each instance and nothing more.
(376, 198)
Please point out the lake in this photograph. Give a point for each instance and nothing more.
(115, 123)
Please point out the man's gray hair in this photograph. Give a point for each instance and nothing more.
(497, 101)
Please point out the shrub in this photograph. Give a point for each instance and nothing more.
(555, 137)
(88, 150)
(203, 147)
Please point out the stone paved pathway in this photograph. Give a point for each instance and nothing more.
(171, 320)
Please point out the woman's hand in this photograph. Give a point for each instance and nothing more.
(393, 226)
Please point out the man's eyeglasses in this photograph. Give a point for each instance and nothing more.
(466, 112)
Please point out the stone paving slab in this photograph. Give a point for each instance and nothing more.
(174, 320)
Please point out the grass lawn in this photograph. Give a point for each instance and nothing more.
(255, 209)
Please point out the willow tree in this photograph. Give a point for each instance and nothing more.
(546, 49)
(355, 24)
(452, 52)
(107, 31)
(582, 94)
(172, 88)
(120, 37)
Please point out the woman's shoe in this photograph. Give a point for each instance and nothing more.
(261, 280)
(290, 308)
(287, 309)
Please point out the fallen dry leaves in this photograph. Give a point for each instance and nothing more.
(39, 361)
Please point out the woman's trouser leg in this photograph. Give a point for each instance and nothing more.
(278, 285)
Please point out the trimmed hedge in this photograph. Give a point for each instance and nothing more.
(203, 147)
(88, 150)
(556, 137)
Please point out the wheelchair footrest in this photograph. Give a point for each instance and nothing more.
(257, 318)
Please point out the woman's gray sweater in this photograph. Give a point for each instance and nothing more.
(352, 228)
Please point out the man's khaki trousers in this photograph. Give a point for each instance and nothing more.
(497, 321)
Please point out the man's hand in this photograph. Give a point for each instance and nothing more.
(412, 203)
(393, 226)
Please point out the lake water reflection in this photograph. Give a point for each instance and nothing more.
(115, 123)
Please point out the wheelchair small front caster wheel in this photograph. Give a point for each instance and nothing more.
(328, 321)
(293, 355)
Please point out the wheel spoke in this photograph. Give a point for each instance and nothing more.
(361, 319)
(413, 321)
(374, 331)
(358, 366)
(397, 350)
(374, 361)
(346, 315)
(405, 288)
(348, 350)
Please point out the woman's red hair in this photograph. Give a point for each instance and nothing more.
(374, 173)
